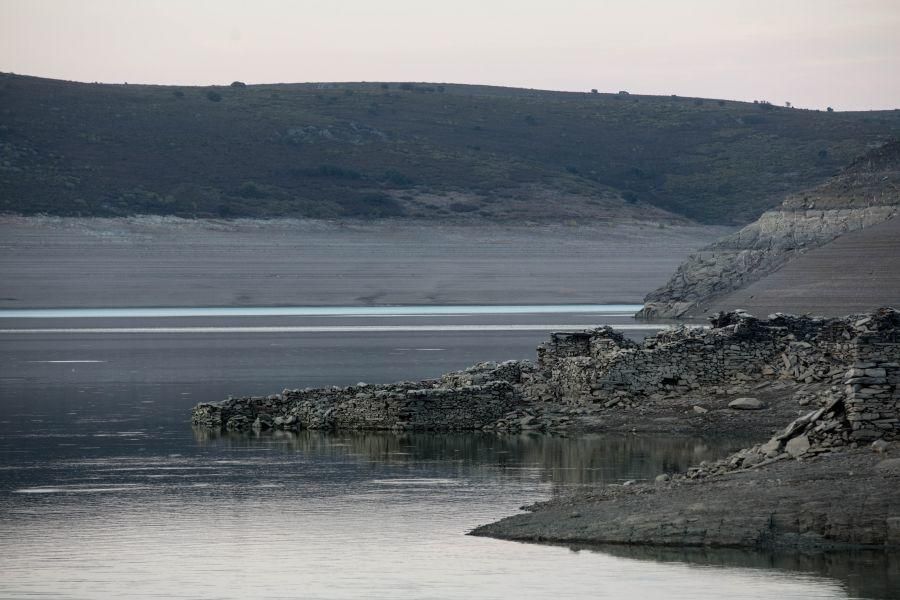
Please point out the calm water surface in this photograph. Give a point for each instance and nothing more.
(106, 492)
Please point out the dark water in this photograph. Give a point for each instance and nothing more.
(106, 492)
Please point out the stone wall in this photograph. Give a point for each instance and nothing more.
(854, 362)
(401, 406)
(858, 357)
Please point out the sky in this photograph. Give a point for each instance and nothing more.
(812, 53)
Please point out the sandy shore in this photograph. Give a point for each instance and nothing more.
(154, 261)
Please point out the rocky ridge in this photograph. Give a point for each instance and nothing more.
(866, 193)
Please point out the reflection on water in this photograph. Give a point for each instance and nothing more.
(345, 515)
(560, 461)
(105, 492)
(865, 573)
(315, 311)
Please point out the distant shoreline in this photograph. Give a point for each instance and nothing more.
(55, 262)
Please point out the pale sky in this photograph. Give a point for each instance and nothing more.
(812, 53)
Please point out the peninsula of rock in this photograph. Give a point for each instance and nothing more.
(829, 387)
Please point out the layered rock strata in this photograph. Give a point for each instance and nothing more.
(865, 194)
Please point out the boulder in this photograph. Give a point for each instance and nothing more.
(798, 446)
(746, 404)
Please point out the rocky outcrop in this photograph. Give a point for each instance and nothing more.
(851, 365)
(865, 194)
(836, 501)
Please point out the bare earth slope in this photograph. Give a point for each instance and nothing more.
(864, 195)
(152, 261)
(857, 272)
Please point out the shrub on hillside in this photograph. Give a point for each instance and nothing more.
(376, 205)
(462, 207)
(214, 96)
(396, 178)
(250, 189)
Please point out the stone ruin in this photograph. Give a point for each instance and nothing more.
(855, 361)
(424, 405)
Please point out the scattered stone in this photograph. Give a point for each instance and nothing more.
(700, 410)
(663, 478)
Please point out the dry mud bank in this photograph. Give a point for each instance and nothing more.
(846, 499)
(158, 261)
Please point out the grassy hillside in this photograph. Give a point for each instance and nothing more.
(416, 150)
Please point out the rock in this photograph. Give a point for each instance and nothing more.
(798, 446)
(771, 448)
(880, 446)
(746, 404)
(700, 410)
(662, 478)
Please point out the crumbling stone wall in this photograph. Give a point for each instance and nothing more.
(872, 386)
(401, 406)
(861, 354)
(856, 360)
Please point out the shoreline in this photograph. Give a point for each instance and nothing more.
(844, 501)
(156, 262)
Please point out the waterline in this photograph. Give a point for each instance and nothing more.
(315, 311)
(337, 329)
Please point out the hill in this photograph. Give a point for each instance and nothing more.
(409, 150)
(830, 250)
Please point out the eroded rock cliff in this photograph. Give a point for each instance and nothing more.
(866, 193)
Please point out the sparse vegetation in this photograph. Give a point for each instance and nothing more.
(85, 149)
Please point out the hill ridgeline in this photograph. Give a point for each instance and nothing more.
(404, 150)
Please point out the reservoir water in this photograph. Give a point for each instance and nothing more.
(106, 492)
